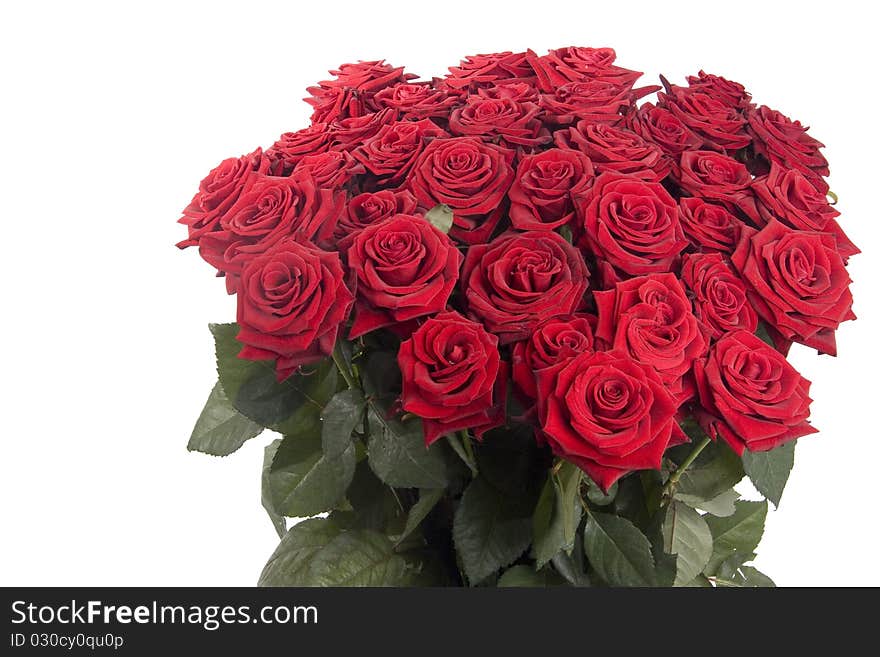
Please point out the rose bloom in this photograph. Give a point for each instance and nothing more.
(415, 100)
(391, 152)
(660, 126)
(350, 133)
(347, 95)
(720, 178)
(453, 377)
(217, 192)
(779, 139)
(579, 64)
(617, 149)
(790, 197)
(797, 282)
(721, 126)
(292, 147)
(709, 226)
(608, 414)
(650, 318)
(521, 92)
(726, 91)
(541, 197)
(330, 170)
(405, 268)
(515, 123)
(719, 295)
(371, 207)
(477, 71)
(753, 398)
(631, 224)
(469, 176)
(554, 341)
(292, 301)
(519, 280)
(596, 101)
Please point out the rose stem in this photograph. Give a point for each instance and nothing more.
(666, 493)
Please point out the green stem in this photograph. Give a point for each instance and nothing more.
(339, 359)
(668, 489)
(461, 444)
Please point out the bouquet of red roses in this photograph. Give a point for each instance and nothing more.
(518, 327)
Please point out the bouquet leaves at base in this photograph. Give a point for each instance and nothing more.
(686, 535)
(220, 429)
(398, 456)
(739, 533)
(618, 551)
(769, 470)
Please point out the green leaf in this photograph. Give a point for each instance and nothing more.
(303, 481)
(489, 530)
(340, 416)
(597, 496)
(220, 429)
(715, 470)
(740, 532)
(441, 217)
(277, 519)
(398, 456)
(252, 388)
(289, 564)
(522, 576)
(618, 551)
(764, 334)
(721, 506)
(317, 552)
(428, 498)
(557, 514)
(752, 577)
(571, 566)
(769, 470)
(686, 534)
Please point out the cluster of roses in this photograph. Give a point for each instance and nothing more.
(612, 260)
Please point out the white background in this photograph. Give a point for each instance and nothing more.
(110, 114)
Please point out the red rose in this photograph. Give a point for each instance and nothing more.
(330, 170)
(415, 100)
(453, 376)
(521, 279)
(660, 126)
(650, 319)
(469, 176)
(709, 226)
(350, 133)
(754, 399)
(721, 126)
(391, 152)
(797, 283)
(506, 119)
(544, 186)
(521, 92)
(292, 147)
(719, 295)
(607, 414)
(727, 91)
(577, 64)
(596, 101)
(370, 208)
(217, 192)
(779, 139)
(631, 224)
(790, 197)
(405, 268)
(714, 176)
(348, 95)
(268, 210)
(477, 71)
(615, 149)
(291, 302)
(557, 340)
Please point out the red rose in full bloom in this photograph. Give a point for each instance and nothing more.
(391, 152)
(292, 147)
(753, 398)
(330, 170)
(721, 126)
(720, 178)
(513, 122)
(541, 197)
(405, 268)
(709, 226)
(789, 196)
(727, 91)
(650, 318)
(352, 132)
(370, 208)
(468, 175)
(617, 149)
(521, 279)
(597, 101)
(555, 341)
(720, 301)
(268, 210)
(348, 94)
(291, 303)
(631, 224)
(217, 192)
(797, 283)
(607, 414)
(660, 126)
(779, 139)
(416, 100)
(477, 71)
(453, 376)
(578, 64)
